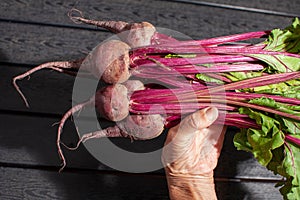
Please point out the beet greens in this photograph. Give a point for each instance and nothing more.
(254, 86)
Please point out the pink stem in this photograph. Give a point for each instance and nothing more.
(292, 139)
(175, 107)
(228, 49)
(199, 59)
(222, 39)
(194, 69)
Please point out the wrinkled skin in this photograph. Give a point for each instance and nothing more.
(191, 154)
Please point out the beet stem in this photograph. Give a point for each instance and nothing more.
(199, 59)
(223, 39)
(292, 139)
(232, 49)
(195, 69)
(247, 83)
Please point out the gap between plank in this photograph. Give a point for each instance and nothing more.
(238, 8)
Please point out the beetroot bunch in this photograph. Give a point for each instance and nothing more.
(254, 85)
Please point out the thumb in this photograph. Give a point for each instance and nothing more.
(198, 120)
(192, 124)
(179, 137)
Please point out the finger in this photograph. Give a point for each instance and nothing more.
(216, 133)
(198, 120)
(191, 125)
(216, 136)
(182, 137)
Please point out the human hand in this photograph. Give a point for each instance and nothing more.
(191, 153)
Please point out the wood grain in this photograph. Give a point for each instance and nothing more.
(47, 91)
(273, 8)
(36, 44)
(37, 184)
(290, 8)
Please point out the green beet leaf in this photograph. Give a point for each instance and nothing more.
(287, 40)
(208, 79)
(291, 190)
(268, 144)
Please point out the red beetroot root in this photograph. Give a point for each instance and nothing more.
(60, 66)
(112, 102)
(134, 34)
(137, 127)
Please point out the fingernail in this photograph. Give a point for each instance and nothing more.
(211, 114)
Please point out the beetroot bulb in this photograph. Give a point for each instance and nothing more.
(108, 62)
(112, 103)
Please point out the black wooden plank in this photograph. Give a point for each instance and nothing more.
(31, 140)
(277, 8)
(37, 184)
(46, 91)
(255, 190)
(36, 44)
(40, 184)
(54, 12)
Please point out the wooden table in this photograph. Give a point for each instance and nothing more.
(33, 32)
